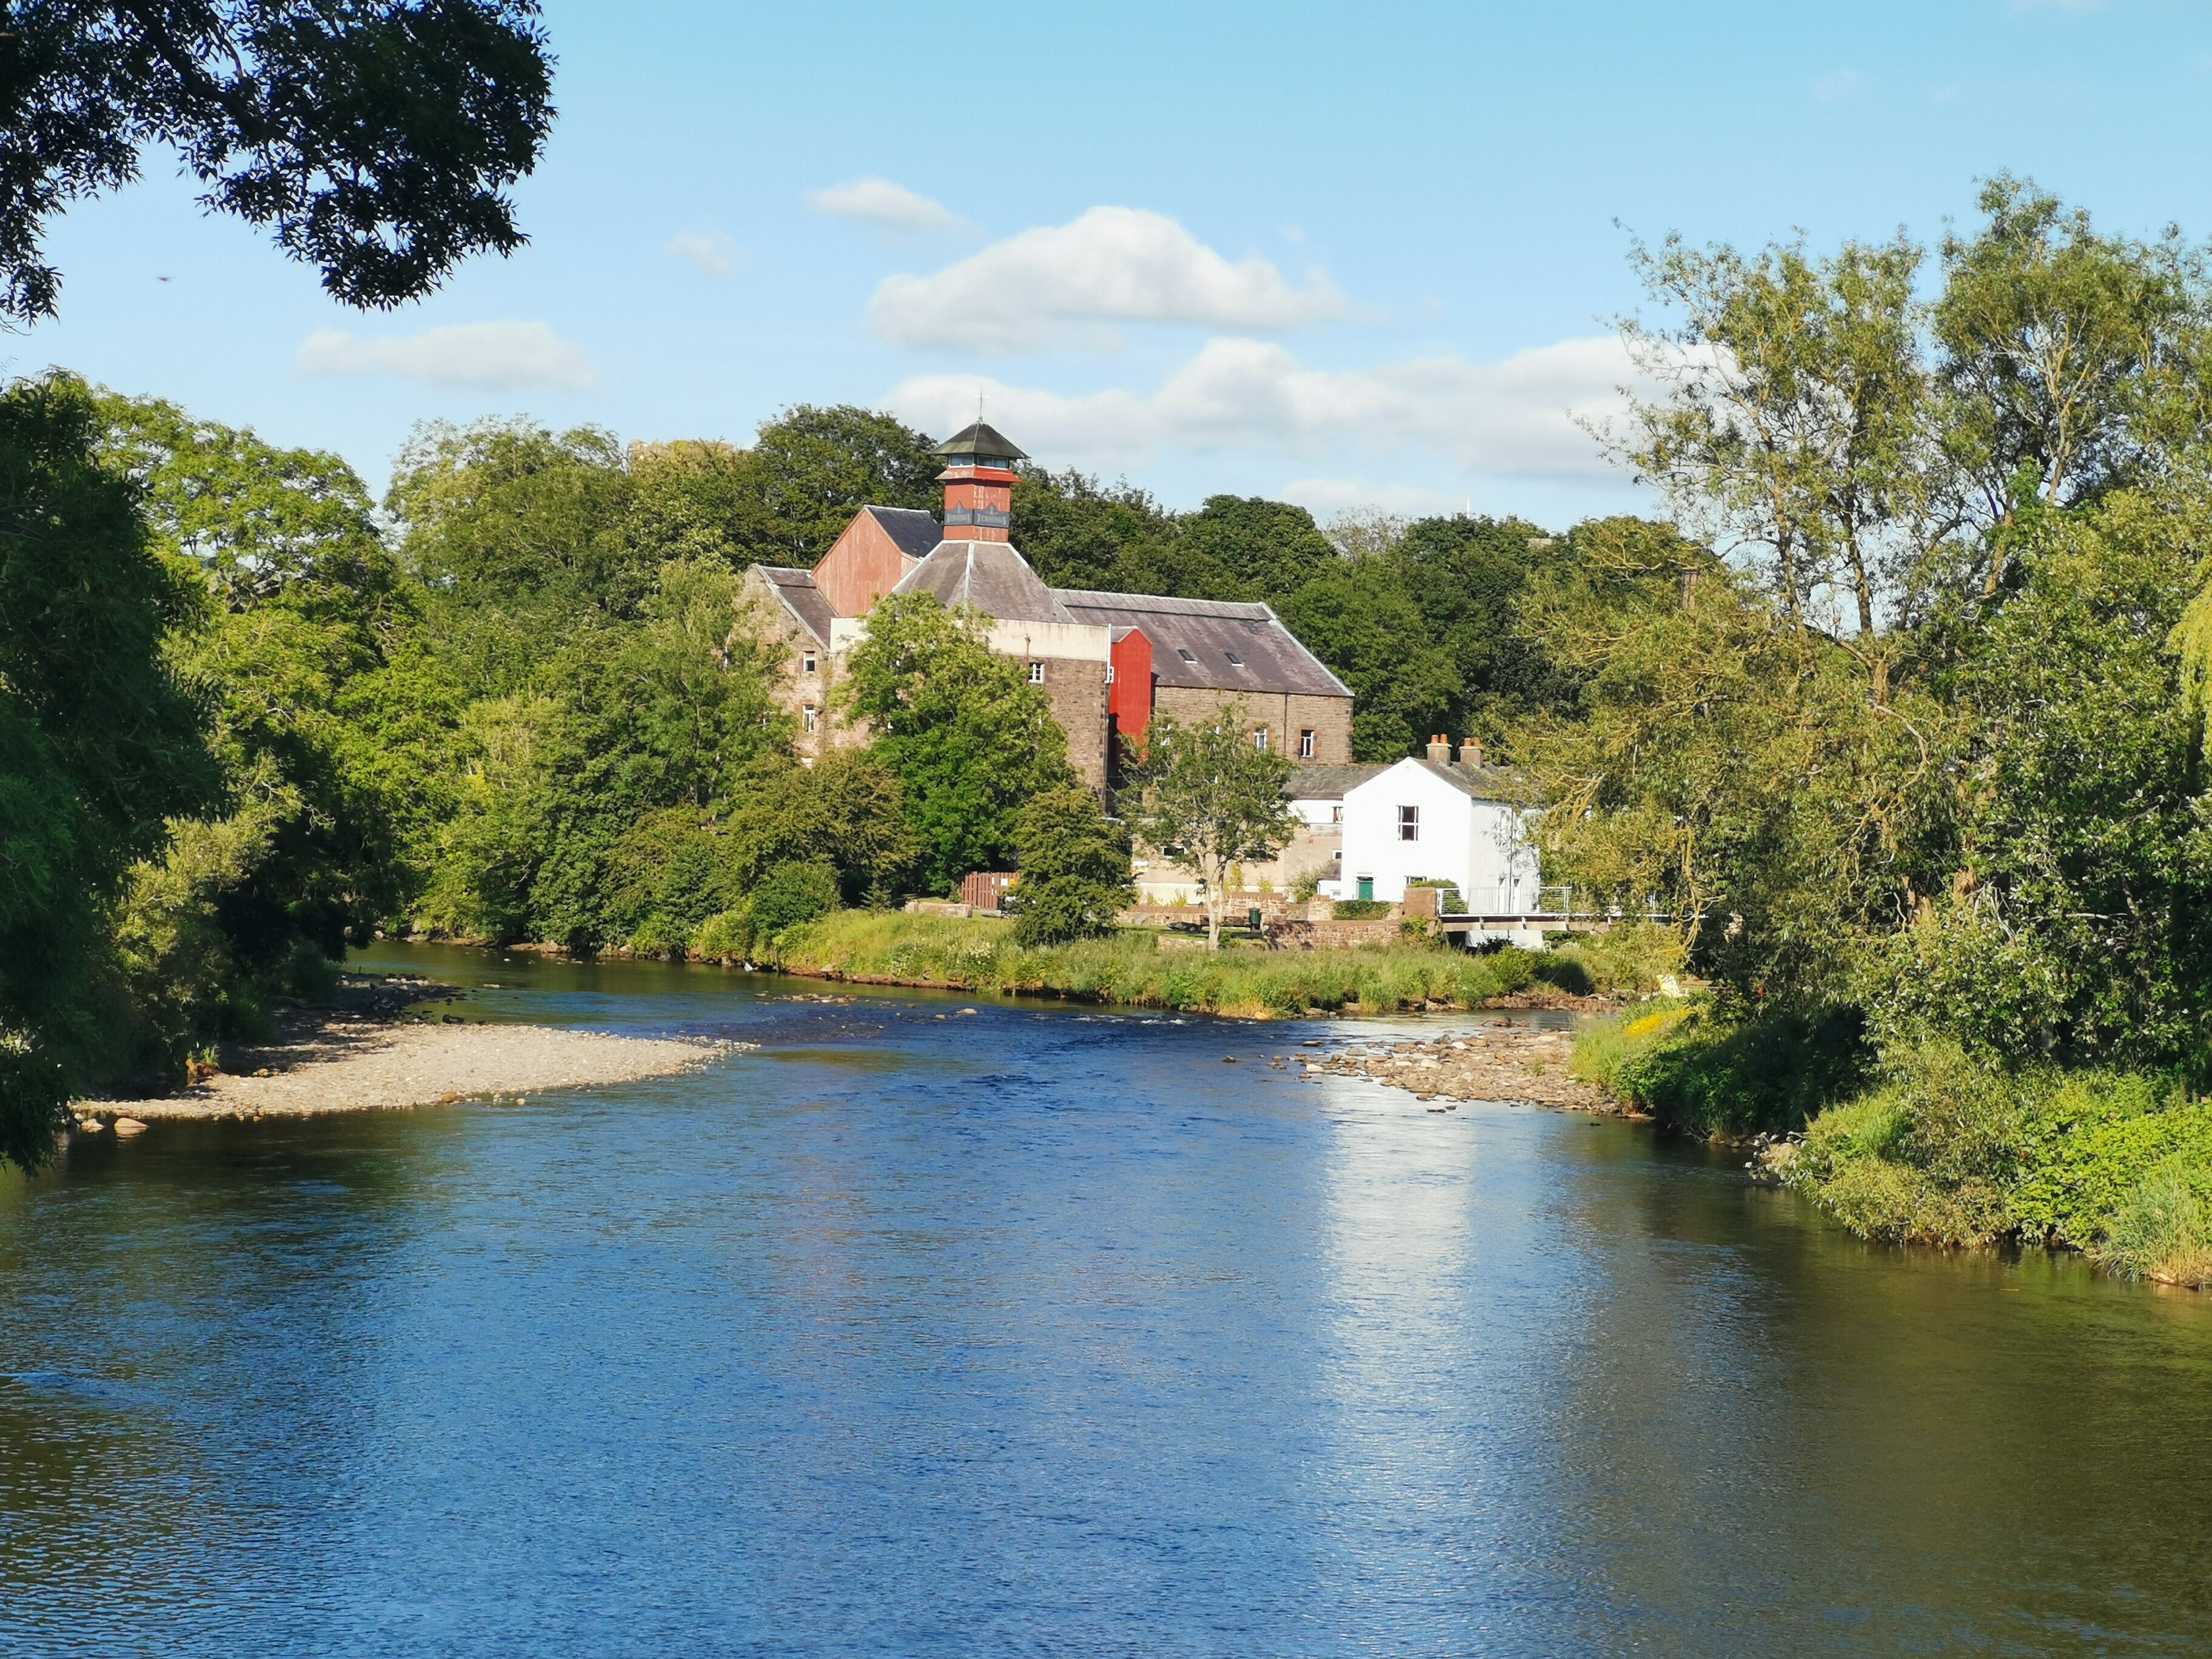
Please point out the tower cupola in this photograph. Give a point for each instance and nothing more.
(979, 483)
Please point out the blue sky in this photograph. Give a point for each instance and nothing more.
(1346, 255)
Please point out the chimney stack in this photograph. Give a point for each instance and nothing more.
(1440, 750)
(1470, 752)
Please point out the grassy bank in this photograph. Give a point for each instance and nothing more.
(1132, 968)
(1933, 1146)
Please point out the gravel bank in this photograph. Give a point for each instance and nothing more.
(1502, 1061)
(359, 1058)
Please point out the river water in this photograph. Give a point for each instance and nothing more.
(1039, 1331)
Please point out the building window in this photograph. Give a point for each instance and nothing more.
(1336, 813)
(1259, 737)
(1109, 673)
(806, 662)
(1036, 673)
(807, 714)
(1184, 654)
(1235, 661)
(1409, 823)
(1306, 744)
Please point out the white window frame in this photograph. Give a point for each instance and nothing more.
(1260, 738)
(806, 662)
(1036, 673)
(1409, 823)
(809, 714)
(1306, 743)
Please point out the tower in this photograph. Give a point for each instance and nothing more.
(979, 483)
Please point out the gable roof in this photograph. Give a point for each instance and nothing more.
(989, 575)
(808, 603)
(912, 530)
(1476, 782)
(1211, 644)
(1320, 781)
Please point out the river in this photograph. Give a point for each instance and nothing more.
(1042, 1331)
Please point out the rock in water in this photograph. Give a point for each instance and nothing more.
(129, 1126)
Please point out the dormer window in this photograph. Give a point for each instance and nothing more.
(1185, 655)
(1235, 661)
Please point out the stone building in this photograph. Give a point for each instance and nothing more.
(1109, 662)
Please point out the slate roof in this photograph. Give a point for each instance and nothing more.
(802, 598)
(989, 575)
(913, 530)
(1320, 781)
(979, 441)
(1229, 647)
(1477, 782)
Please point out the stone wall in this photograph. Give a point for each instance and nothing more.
(1329, 718)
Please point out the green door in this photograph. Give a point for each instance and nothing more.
(1366, 888)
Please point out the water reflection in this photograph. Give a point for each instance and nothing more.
(1042, 1331)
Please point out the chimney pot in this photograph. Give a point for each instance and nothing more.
(1471, 751)
(1440, 748)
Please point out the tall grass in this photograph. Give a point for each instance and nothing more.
(1714, 1076)
(1131, 968)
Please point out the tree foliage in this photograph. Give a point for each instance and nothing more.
(1208, 797)
(1074, 864)
(968, 739)
(374, 139)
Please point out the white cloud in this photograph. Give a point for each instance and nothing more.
(715, 255)
(1325, 498)
(886, 205)
(1516, 418)
(503, 356)
(1062, 284)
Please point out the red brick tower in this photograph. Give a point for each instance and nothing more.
(979, 483)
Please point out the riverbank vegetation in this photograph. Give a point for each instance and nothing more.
(1134, 968)
(1919, 766)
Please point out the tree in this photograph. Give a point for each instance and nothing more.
(100, 743)
(818, 467)
(968, 739)
(1209, 797)
(2071, 361)
(1248, 548)
(373, 138)
(1795, 418)
(1074, 864)
(1079, 532)
(1359, 618)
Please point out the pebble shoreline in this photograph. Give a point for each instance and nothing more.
(1501, 1061)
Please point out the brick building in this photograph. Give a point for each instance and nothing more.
(1109, 662)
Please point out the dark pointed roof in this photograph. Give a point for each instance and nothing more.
(808, 603)
(980, 442)
(912, 530)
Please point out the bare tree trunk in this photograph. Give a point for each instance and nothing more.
(1217, 872)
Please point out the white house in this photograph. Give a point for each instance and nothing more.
(1438, 820)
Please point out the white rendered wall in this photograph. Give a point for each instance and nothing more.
(1481, 845)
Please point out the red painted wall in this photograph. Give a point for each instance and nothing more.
(860, 566)
(1129, 700)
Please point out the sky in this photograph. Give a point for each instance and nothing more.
(1358, 256)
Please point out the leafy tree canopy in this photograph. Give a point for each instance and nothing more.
(1208, 797)
(969, 740)
(1074, 864)
(374, 139)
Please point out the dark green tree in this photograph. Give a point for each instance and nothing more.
(969, 740)
(100, 741)
(1078, 532)
(1074, 864)
(372, 138)
(818, 466)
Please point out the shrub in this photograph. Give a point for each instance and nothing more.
(1567, 974)
(1075, 869)
(1712, 1074)
(791, 894)
(1630, 958)
(726, 937)
(1360, 909)
(2163, 1228)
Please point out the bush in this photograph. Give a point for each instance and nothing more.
(1360, 909)
(1629, 958)
(1075, 870)
(791, 894)
(1567, 974)
(1714, 1075)
(2163, 1229)
(726, 937)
